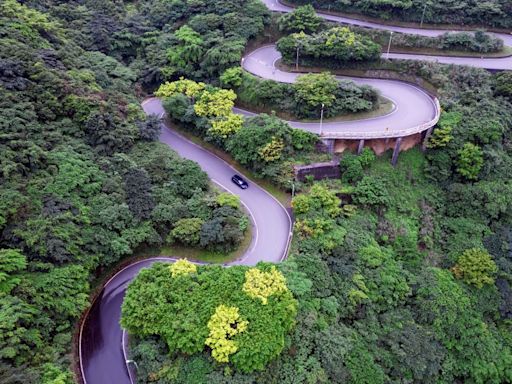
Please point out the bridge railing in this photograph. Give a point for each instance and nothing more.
(388, 134)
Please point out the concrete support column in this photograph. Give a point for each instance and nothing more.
(360, 146)
(329, 144)
(425, 139)
(396, 151)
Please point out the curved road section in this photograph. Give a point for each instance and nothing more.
(414, 111)
(488, 63)
(101, 341)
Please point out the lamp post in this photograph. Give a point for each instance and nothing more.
(297, 58)
(321, 118)
(389, 44)
(293, 188)
(423, 15)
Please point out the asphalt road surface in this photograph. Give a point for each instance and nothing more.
(412, 105)
(488, 63)
(101, 352)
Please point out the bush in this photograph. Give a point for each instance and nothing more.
(186, 231)
(476, 267)
(328, 48)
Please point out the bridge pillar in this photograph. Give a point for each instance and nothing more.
(329, 144)
(360, 146)
(396, 151)
(425, 139)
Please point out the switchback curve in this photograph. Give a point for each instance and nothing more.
(504, 63)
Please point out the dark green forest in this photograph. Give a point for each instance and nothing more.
(395, 275)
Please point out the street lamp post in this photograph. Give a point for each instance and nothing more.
(297, 59)
(389, 44)
(293, 188)
(423, 15)
(321, 118)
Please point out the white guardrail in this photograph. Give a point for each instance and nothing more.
(388, 133)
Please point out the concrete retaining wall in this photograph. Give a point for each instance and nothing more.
(319, 171)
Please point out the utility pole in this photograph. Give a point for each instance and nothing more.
(321, 118)
(423, 15)
(389, 44)
(297, 58)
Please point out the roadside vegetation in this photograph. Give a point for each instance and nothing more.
(263, 144)
(238, 315)
(492, 13)
(329, 45)
(396, 275)
(304, 98)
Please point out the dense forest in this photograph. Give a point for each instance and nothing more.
(83, 182)
(395, 275)
(492, 13)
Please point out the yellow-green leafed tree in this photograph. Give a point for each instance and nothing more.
(215, 104)
(226, 126)
(261, 284)
(272, 151)
(182, 267)
(476, 267)
(224, 324)
(184, 86)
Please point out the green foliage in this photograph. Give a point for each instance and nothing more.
(341, 97)
(313, 89)
(352, 166)
(470, 161)
(475, 266)
(442, 135)
(54, 375)
(11, 260)
(503, 85)
(371, 191)
(82, 181)
(302, 19)
(186, 231)
(196, 303)
(328, 48)
(319, 201)
(232, 77)
(228, 199)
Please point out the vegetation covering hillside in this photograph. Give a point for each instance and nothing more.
(396, 275)
(83, 182)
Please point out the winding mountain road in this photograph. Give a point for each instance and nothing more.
(413, 107)
(487, 63)
(101, 341)
(101, 352)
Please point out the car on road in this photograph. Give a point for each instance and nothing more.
(240, 181)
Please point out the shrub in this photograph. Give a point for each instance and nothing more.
(476, 267)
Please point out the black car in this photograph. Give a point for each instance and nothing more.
(238, 180)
